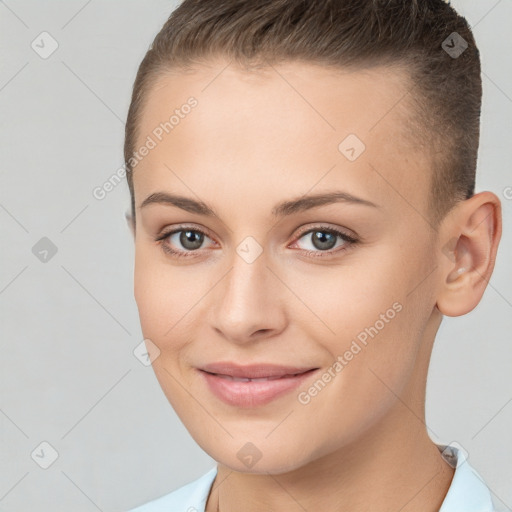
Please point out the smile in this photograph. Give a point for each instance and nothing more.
(256, 390)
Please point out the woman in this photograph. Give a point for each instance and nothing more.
(299, 237)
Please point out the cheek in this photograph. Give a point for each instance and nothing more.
(369, 375)
(170, 302)
(155, 294)
(347, 302)
(148, 293)
(159, 292)
(370, 326)
(162, 308)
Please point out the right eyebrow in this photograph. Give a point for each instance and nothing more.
(185, 203)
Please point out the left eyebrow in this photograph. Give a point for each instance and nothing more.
(282, 209)
(314, 200)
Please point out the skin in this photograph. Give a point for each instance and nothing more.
(257, 138)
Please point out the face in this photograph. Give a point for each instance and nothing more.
(326, 302)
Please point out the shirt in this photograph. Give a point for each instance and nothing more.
(467, 491)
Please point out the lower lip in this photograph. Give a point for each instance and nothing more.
(252, 394)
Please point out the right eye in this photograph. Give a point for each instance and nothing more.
(189, 238)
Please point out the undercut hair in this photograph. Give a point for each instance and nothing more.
(427, 38)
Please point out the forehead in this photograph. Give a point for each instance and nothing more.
(292, 125)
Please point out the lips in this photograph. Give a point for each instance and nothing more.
(252, 385)
(253, 371)
(244, 379)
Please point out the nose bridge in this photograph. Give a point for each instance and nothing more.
(248, 279)
(245, 303)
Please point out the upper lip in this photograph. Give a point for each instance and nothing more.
(253, 371)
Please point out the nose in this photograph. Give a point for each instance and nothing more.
(248, 302)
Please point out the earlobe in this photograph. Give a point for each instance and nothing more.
(468, 253)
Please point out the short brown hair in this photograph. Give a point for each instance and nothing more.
(360, 33)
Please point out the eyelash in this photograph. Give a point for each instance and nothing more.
(315, 254)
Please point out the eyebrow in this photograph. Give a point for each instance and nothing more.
(280, 210)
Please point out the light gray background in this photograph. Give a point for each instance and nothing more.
(69, 326)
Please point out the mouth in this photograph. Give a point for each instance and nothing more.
(246, 379)
(254, 371)
(252, 385)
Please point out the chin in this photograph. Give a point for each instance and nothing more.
(270, 456)
(269, 466)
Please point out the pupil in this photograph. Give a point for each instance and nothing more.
(187, 239)
(323, 240)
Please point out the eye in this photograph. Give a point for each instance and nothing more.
(190, 239)
(323, 239)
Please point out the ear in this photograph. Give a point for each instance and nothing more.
(469, 243)
(131, 222)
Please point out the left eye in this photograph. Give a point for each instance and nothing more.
(324, 240)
